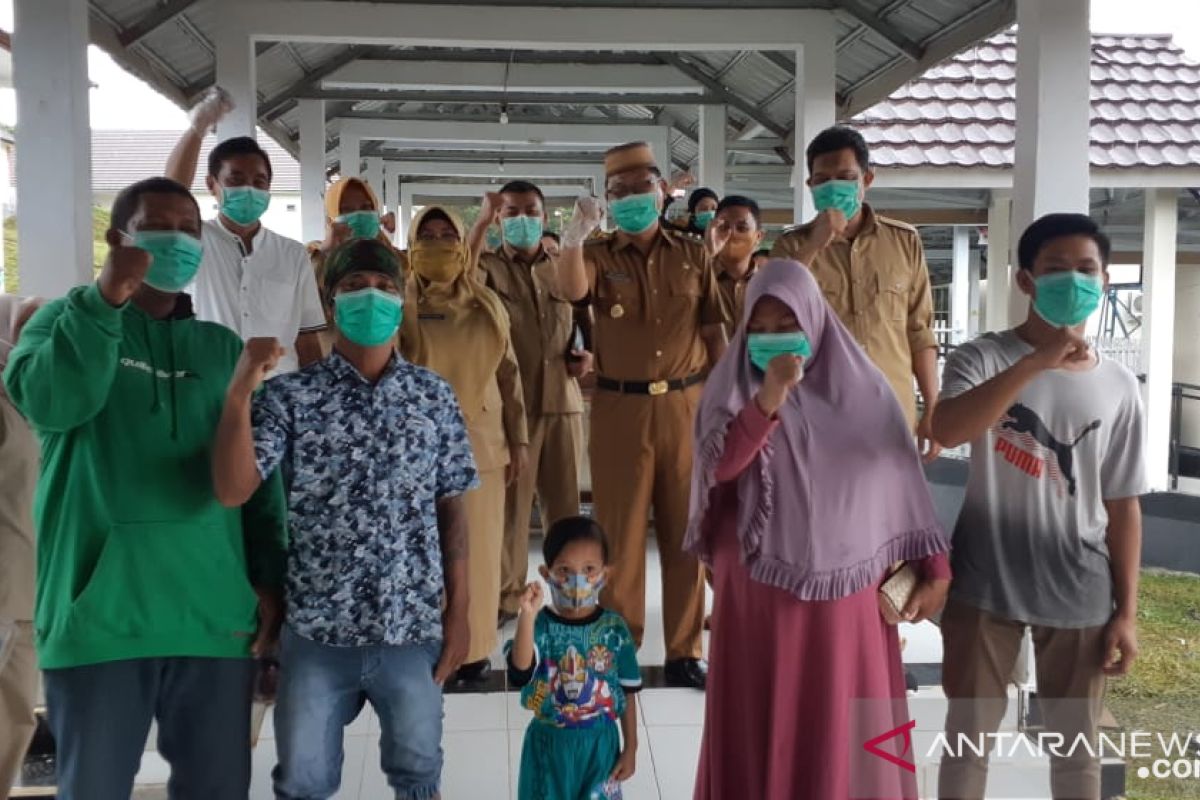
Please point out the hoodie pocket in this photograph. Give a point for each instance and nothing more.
(164, 579)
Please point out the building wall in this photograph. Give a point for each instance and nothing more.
(1187, 345)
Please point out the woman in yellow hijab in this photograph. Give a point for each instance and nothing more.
(352, 211)
(456, 326)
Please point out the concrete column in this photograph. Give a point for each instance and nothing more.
(598, 183)
(1053, 116)
(374, 175)
(975, 310)
(660, 146)
(312, 169)
(1158, 329)
(53, 139)
(712, 147)
(235, 70)
(999, 281)
(395, 192)
(404, 215)
(349, 153)
(1187, 345)
(816, 84)
(960, 285)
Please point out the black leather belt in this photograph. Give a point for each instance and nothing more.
(652, 388)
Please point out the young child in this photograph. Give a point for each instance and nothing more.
(577, 665)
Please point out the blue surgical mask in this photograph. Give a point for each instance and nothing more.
(576, 591)
(174, 258)
(765, 346)
(1067, 299)
(522, 233)
(368, 317)
(244, 205)
(841, 195)
(636, 213)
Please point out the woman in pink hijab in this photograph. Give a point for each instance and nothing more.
(806, 487)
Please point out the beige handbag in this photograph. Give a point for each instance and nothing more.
(896, 590)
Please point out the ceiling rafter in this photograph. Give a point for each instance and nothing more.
(284, 100)
(876, 21)
(509, 98)
(721, 93)
(164, 14)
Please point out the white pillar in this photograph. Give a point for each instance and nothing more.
(312, 169)
(1051, 167)
(404, 215)
(235, 71)
(53, 140)
(349, 154)
(374, 175)
(1187, 344)
(598, 182)
(999, 281)
(712, 148)
(660, 146)
(816, 84)
(975, 311)
(395, 193)
(960, 285)
(1158, 329)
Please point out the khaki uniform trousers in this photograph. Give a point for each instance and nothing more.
(485, 539)
(641, 452)
(980, 650)
(18, 696)
(555, 450)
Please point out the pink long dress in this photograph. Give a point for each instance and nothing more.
(783, 672)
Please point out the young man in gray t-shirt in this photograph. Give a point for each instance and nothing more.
(1050, 533)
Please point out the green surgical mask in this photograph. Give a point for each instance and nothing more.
(522, 233)
(174, 258)
(362, 224)
(841, 195)
(636, 213)
(765, 346)
(368, 317)
(244, 205)
(703, 219)
(1066, 299)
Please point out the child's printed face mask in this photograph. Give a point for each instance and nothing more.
(576, 590)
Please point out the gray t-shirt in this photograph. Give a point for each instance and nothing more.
(1030, 540)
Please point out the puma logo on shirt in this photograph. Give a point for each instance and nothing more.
(1021, 419)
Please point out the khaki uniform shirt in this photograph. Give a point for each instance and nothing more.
(650, 308)
(733, 295)
(878, 284)
(542, 325)
(19, 458)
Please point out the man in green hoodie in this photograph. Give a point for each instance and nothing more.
(151, 595)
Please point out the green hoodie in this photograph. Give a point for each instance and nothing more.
(135, 556)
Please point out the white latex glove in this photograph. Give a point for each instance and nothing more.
(210, 110)
(585, 219)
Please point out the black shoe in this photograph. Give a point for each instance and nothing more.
(910, 681)
(686, 672)
(473, 672)
(504, 618)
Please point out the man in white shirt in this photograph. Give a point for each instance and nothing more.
(252, 280)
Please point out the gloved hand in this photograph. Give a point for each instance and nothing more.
(210, 110)
(585, 219)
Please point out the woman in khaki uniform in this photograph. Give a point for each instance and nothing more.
(457, 327)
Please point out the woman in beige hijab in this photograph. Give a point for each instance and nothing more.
(19, 456)
(457, 327)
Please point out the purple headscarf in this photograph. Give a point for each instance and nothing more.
(837, 493)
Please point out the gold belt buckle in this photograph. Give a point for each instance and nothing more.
(659, 388)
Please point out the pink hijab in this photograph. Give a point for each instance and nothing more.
(837, 493)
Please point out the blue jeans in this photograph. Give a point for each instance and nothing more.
(100, 716)
(322, 689)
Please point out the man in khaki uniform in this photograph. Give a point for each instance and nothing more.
(523, 276)
(872, 271)
(658, 330)
(735, 261)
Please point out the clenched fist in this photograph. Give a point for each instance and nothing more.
(259, 357)
(124, 270)
(784, 373)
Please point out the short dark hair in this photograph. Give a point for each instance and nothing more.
(572, 529)
(700, 194)
(129, 200)
(523, 187)
(740, 201)
(232, 148)
(1055, 226)
(839, 137)
(552, 235)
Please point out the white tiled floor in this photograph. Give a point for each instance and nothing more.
(483, 732)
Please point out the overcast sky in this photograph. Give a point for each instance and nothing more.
(116, 91)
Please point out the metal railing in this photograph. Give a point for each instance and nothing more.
(1179, 393)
